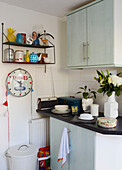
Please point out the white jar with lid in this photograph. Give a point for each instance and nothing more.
(19, 56)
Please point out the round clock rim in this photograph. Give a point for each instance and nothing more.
(7, 82)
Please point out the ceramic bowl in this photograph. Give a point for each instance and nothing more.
(61, 107)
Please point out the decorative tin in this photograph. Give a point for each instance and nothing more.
(107, 122)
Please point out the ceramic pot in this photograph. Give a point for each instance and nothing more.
(111, 107)
(86, 103)
(19, 56)
(34, 57)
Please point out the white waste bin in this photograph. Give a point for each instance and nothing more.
(22, 157)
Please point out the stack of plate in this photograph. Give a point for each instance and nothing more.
(61, 109)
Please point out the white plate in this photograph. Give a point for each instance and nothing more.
(60, 112)
(86, 116)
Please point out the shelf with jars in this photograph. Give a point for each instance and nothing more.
(20, 54)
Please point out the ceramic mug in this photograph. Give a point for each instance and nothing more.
(19, 38)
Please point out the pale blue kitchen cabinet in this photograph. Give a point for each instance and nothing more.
(81, 142)
(99, 38)
(56, 129)
(82, 148)
(94, 34)
(76, 38)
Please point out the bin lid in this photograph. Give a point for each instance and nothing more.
(20, 151)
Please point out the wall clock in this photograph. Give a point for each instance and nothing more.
(19, 82)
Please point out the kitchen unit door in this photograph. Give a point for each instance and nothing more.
(56, 129)
(99, 39)
(81, 143)
(76, 38)
(82, 148)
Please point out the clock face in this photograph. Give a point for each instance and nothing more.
(19, 82)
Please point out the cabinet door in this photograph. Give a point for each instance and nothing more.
(99, 24)
(56, 129)
(76, 39)
(82, 148)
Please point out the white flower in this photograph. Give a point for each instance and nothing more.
(101, 82)
(117, 81)
(109, 80)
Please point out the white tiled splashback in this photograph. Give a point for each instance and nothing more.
(67, 82)
(53, 82)
(78, 78)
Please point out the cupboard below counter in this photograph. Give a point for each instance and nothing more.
(91, 149)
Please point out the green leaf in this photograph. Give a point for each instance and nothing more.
(85, 87)
(81, 88)
(102, 73)
(78, 92)
(107, 72)
(94, 93)
(99, 73)
(109, 93)
(119, 73)
(117, 93)
(85, 95)
(96, 78)
(100, 90)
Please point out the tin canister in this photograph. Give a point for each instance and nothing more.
(9, 54)
(19, 56)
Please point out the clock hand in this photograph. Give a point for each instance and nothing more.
(18, 81)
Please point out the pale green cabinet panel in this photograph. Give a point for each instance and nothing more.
(97, 26)
(82, 148)
(99, 35)
(76, 37)
(81, 143)
(56, 129)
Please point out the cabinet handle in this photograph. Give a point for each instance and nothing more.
(84, 51)
(87, 51)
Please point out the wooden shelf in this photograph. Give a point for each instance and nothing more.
(26, 45)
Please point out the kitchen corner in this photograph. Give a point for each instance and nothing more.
(88, 142)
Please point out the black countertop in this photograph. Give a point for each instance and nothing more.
(91, 126)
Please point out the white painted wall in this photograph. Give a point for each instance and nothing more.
(23, 20)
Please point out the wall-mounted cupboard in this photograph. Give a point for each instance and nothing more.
(94, 35)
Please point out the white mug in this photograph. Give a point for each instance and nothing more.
(95, 109)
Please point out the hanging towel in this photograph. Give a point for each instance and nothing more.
(64, 147)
